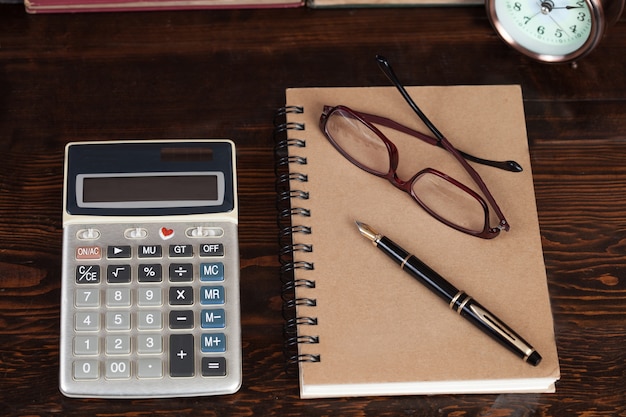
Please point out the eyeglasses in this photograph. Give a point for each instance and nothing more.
(354, 135)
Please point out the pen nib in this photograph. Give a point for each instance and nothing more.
(367, 231)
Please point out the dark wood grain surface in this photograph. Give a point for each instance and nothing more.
(195, 74)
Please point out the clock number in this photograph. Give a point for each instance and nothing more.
(582, 16)
(541, 30)
(517, 6)
(573, 28)
(558, 33)
(527, 19)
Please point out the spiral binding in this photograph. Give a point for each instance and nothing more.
(288, 203)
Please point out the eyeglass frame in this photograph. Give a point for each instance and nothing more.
(488, 231)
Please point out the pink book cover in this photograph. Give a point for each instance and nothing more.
(66, 6)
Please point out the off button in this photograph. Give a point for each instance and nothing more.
(212, 249)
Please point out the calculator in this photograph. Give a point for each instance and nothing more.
(150, 301)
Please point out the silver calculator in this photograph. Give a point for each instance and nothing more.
(150, 282)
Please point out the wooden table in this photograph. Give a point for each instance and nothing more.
(194, 74)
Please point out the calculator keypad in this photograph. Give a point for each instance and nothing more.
(147, 305)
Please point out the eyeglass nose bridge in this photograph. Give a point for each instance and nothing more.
(396, 181)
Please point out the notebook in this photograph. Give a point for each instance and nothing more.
(357, 325)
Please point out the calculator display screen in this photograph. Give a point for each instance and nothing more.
(150, 190)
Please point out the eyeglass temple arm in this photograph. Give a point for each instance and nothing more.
(386, 68)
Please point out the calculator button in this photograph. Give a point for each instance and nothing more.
(86, 322)
(181, 319)
(212, 271)
(149, 320)
(86, 370)
(182, 361)
(118, 320)
(149, 343)
(118, 297)
(150, 273)
(118, 273)
(181, 296)
(118, 252)
(117, 369)
(212, 249)
(213, 367)
(88, 253)
(87, 297)
(150, 251)
(181, 272)
(213, 319)
(149, 368)
(87, 274)
(149, 296)
(212, 295)
(135, 233)
(181, 251)
(118, 345)
(86, 345)
(214, 342)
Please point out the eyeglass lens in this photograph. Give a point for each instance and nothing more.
(438, 195)
(447, 201)
(358, 141)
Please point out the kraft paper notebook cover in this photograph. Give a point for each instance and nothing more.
(361, 325)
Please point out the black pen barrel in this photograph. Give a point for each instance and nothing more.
(418, 270)
(459, 301)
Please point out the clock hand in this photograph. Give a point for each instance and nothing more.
(547, 6)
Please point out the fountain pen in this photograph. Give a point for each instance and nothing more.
(458, 300)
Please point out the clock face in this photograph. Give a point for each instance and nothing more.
(547, 29)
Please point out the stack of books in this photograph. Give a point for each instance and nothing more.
(64, 6)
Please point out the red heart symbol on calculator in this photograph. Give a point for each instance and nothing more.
(166, 233)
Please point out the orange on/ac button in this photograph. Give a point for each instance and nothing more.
(88, 252)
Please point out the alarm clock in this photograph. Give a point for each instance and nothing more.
(553, 30)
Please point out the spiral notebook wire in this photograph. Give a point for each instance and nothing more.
(291, 212)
